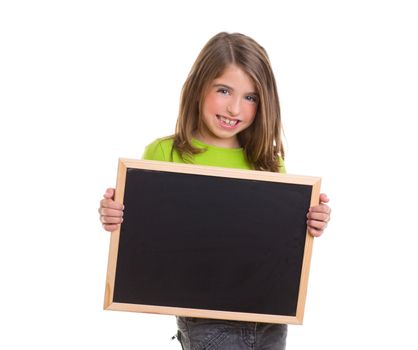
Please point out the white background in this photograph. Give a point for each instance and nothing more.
(85, 82)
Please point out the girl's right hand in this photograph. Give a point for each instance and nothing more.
(111, 213)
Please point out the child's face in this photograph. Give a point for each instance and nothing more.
(229, 107)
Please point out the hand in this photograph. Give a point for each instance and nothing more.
(111, 213)
(319, 216)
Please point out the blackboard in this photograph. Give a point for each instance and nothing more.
(211, 242)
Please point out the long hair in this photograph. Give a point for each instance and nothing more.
(261, 141)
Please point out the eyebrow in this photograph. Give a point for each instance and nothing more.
(231, 88)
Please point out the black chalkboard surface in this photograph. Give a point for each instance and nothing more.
(211, 242)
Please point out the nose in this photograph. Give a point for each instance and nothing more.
(233, 108)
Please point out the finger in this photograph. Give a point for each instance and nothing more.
(110, 212)
(321, 208)
(318, 216)
(111, 204)
(110, 228)
(111, 220)
(109, 194)
(314, 232)
(320, 225)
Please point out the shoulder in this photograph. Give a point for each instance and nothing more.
(160, 149)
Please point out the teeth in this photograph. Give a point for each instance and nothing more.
(228, 121)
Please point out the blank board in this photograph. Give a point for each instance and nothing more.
(211, 242)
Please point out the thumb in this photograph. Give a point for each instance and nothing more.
(323, 198)
(109, 194)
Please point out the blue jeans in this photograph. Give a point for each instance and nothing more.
(208, 334)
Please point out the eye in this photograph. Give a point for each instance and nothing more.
(223, 91)
(252, 98)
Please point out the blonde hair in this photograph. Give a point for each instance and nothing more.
(261, 141)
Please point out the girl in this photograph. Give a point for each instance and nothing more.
(230, 117)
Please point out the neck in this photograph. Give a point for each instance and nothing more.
(223, 143)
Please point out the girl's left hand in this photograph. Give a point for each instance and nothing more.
(319, 216)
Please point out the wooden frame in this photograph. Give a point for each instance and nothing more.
(208, 172)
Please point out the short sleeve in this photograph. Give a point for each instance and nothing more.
(154, 151)
(282, 168)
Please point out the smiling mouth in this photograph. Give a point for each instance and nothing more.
(228, 122)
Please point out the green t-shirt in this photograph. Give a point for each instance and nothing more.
(161, 149)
